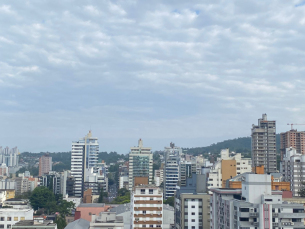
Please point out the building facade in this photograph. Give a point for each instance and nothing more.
(294, 139)
(45, 164)
(293, 170)
(227, 167)
(84, 155)
(8, 156)
(192, 204)
(263, 144)
(254, 206)
(140, 163)
(146, 207)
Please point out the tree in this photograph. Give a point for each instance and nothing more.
(170, 201)
(101, 196)
(61, 222)
(42, 198)
(302, 190)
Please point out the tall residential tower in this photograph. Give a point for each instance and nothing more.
(264, 144)
(84, 155)
(140, 163)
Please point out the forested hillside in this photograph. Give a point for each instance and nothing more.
(239, 145)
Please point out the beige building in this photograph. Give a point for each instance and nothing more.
(147, 207)
(107, 220)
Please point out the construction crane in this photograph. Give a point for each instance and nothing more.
(291, 124)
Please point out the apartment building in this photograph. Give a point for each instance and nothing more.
(140, 163)
(8, 156)
(254, 206)
(227, 167)
(158, 176)
(171, 170)
(293, 169)
(45, 164)
(84, 155)
(146, 207)
(263, 144)
(187, 167)
(15, 210)
(294, 139)
(192, 204)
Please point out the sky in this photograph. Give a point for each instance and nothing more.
(189, 72)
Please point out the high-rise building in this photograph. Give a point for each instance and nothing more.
(294, 139)
(45, 164)
(84, 155)
(9, 156)
(187, 167)
(146, 207)
(253, 206)
(140, 163)
(171, 169)
(264, 144)
(293, 170)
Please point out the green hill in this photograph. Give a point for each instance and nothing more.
(238, 145)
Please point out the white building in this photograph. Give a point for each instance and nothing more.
(254, 206)
(293, 169)
(158, 176)
(84, 155)
(146, 207)
(19, 211)
(227, 167)
(123, 182)
(9, 156)
(140, 163)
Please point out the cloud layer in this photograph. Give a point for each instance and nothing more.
(184, 71)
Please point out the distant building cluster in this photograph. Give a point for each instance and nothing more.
(205, 191)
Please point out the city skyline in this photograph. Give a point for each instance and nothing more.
(190, 73)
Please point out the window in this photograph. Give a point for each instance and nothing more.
(144, 212)
(9, 226)
(22, 218)
(193, 213)
(2, 218)
(9, 219)
(151, 225)
(16, 219)
(1, 225)
(151, 191)
(193, 220)
(142, 191)
(193, 206)
(144, 225)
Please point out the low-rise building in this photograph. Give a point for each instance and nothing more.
(227, 167)
(31, 224)
(107, 220)
(85, 211)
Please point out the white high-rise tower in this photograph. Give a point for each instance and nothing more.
(84, 155)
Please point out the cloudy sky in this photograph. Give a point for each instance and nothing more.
(191, 72)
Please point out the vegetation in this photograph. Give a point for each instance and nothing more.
(302, 190)
(123, 197)
(33, 170)
(101, 196)
(112, 157)
(170, 201)
(43, 198)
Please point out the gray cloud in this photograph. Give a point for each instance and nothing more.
(191, 72)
